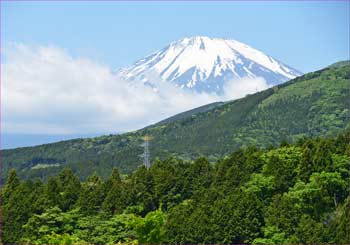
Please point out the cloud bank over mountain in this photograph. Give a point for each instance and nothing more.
(47, 91)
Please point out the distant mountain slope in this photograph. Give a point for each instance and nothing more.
(186, 114)
(315, 104)
(204, 64)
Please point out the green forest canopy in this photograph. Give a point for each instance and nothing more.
(294, 193)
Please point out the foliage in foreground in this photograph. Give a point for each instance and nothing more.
(291, 194)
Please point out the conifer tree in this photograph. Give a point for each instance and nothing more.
(17, 210)
(52, 192)
(91, 195)
(114, 200)
(11, 184)
(70, 189)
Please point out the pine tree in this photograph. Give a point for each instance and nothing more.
(17, 210)
(52, 192)
(114, 200)
(91, 195)
(70, 189)
(11, 184)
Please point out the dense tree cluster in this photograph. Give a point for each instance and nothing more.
(288, 194)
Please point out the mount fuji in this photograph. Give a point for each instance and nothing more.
(205, 64)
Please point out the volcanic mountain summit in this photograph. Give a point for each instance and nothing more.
(204, 64)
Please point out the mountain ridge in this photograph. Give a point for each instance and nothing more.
(205, 64)
(315, 104)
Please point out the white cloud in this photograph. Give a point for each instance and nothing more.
(46, 91)
(235, 89)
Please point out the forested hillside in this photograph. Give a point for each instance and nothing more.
(291, 194)
(315, 104)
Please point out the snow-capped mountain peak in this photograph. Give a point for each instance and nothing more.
(204, 64)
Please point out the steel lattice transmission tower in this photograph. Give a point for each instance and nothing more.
(146, 152)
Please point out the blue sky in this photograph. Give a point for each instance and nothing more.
(57, 57)
(305, 35)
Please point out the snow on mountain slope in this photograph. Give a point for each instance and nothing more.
(204, 64)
